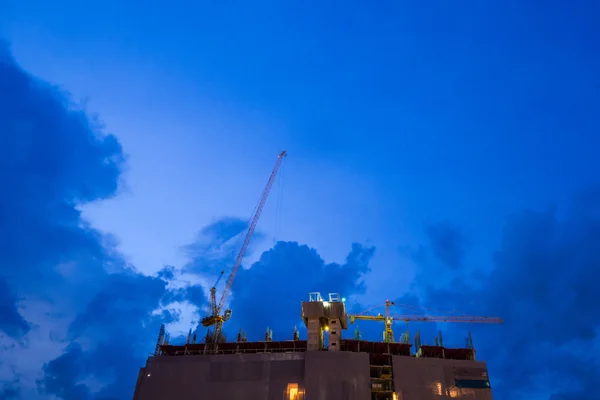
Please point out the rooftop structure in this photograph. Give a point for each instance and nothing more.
(325, 366)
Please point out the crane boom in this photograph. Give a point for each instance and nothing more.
(456, 318)
(216, 317)
(387, 319)
(432, 318)
(240, 256)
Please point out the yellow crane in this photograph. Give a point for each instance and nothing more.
(388, 319)
(215, 318)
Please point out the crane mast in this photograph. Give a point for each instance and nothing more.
(215, 319)
(212, 307)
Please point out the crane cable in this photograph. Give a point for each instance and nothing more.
(253, 224)
(279, 206)
(240, 236)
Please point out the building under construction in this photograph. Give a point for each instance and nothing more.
(325, 366)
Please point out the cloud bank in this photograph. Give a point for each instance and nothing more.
(68, 299)
(544, 285)
(270, 291)
(275, 284)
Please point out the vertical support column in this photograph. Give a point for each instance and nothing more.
(159, 341)
(319, 315)
(315, 334)
(335, 333)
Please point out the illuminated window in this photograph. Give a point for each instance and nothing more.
(293, 392)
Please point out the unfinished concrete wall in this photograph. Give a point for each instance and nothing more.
(337, 375)
(222, 377)
(434, 378)
(323, 375)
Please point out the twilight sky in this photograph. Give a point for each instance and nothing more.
(441, 154)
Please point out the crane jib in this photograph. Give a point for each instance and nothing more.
(250, 232)
(216, 319)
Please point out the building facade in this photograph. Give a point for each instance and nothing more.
(323, 367)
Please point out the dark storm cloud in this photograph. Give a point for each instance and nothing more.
(544, 284)
(270, 291)
(61, 376)
(447, 243)
(125, 299)
(120, 324)
(10, 390)
(215, 247)
(54, 158)
(223, 230)
(194, 294)
(119, 327)
(11, 322)
(167, 273)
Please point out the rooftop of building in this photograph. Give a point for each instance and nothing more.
(326, 319)
(292, 346)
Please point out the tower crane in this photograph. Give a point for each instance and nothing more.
(212, 306)
(388, 334)
(215, 318)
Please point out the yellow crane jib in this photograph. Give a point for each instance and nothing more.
(388, 319)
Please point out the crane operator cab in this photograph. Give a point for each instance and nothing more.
(216, 319)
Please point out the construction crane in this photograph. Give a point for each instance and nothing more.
(212, 306)
(215, 319)
(388, 334)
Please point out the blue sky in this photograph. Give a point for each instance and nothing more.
(440, 154)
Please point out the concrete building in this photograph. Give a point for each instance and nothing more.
(323, 367)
